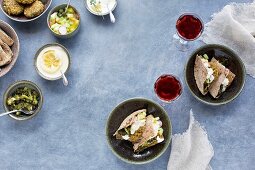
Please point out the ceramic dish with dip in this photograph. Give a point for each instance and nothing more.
(51, 60)
(101, 7)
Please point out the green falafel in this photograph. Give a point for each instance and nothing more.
(34, 9)
(11, 7)
(25, 2)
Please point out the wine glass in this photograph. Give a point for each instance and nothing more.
(189, 27)
(168, 88)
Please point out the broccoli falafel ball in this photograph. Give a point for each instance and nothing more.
(25, 2)
(34, 9)
(11, 7)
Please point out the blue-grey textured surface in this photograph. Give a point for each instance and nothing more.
(111, 63)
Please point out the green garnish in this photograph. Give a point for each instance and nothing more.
(23, 99)
(206, 86)
(205, 56)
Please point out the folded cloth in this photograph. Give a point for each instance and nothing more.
(234, 26)
(191, 150)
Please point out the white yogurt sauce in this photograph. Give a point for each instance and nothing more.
(104, 9)
(225, 84)
(61, 54)
(125, 137)
(209, 76)
(136, 125)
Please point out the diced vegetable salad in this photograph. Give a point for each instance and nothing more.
(64, 23)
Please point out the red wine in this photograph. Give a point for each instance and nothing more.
(167, 87)
(189, 27)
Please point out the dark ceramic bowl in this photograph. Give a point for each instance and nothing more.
(15, 47)
(124, 149)
(57, 8)
(230, 59)
(22, 18)
(12, 88)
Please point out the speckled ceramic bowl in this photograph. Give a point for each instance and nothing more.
(231, 61)
(96, 13)
(49, 45)
(124, 149)
(15, 47)
(57, 8)
(22, 18)
(12, 88)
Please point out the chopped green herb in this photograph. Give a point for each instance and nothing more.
(23, 99)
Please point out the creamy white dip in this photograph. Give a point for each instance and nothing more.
(61, 54)
(104, 9)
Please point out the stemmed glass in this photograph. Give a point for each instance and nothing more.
(168, 88)
(189, 27)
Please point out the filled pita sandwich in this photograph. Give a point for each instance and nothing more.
(132, 127)
(152, 135)
(223, 79)
(204, 73)
(141, 130)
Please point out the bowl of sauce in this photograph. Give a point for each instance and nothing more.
(100, 7)
(51, 60)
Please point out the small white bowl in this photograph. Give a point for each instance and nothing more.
(99, 14)
(49, 45)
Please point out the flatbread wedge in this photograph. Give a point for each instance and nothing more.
(5, 58)
(223, 79)
(132, 127)
(203, 73)
(6, 38)
(152, 135)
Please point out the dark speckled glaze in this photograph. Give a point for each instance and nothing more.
(230, 60)
(124, 149)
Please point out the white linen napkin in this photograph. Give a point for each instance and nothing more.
(234, 26)
(191, 150)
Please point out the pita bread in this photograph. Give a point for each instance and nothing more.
(129, 120)
(231, 76)
(222, 73)
(200, 73)
(6, 48)
(4, 57)
(148, 134)
(6, 38)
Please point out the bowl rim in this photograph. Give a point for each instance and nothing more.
(54, 10)
(13, 85)
(167, 143)
(234, 55)
(102, 14)
(48, 45)
(25, 20)
(18, 47)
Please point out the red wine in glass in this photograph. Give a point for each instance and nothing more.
(168, 88)
(189, 27)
